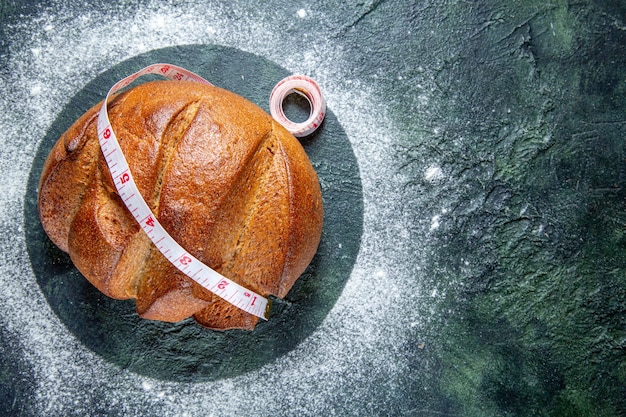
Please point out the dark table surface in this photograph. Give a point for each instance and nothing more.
(473, 261)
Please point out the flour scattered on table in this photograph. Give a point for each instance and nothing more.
(434, 222)
(357, 345)
(433, 173)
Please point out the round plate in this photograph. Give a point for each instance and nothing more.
(185, 351)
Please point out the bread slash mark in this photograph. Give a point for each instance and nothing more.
(172, 135)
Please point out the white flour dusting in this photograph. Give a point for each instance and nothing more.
(433, 173)
(358, 348)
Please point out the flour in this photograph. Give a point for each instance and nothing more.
(435, 222)
(341, 365)
(433, 173)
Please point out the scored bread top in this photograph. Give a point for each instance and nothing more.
(230, 185)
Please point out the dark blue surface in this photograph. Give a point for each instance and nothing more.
(523, 105)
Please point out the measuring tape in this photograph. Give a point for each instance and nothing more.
(225, 288)
(307, 88)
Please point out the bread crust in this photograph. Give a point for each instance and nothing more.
(230, 185)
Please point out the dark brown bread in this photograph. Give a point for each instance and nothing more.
(231, 185)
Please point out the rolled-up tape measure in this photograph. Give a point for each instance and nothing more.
(225, 288)
(307, 88)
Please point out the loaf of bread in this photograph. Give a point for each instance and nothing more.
(230, 185)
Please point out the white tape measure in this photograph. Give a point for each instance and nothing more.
(230, 291)
(308, 89)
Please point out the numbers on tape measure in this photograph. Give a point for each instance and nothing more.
(184, 260)
(150, 221)
(124, 178)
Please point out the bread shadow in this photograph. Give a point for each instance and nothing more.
(185, 351)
